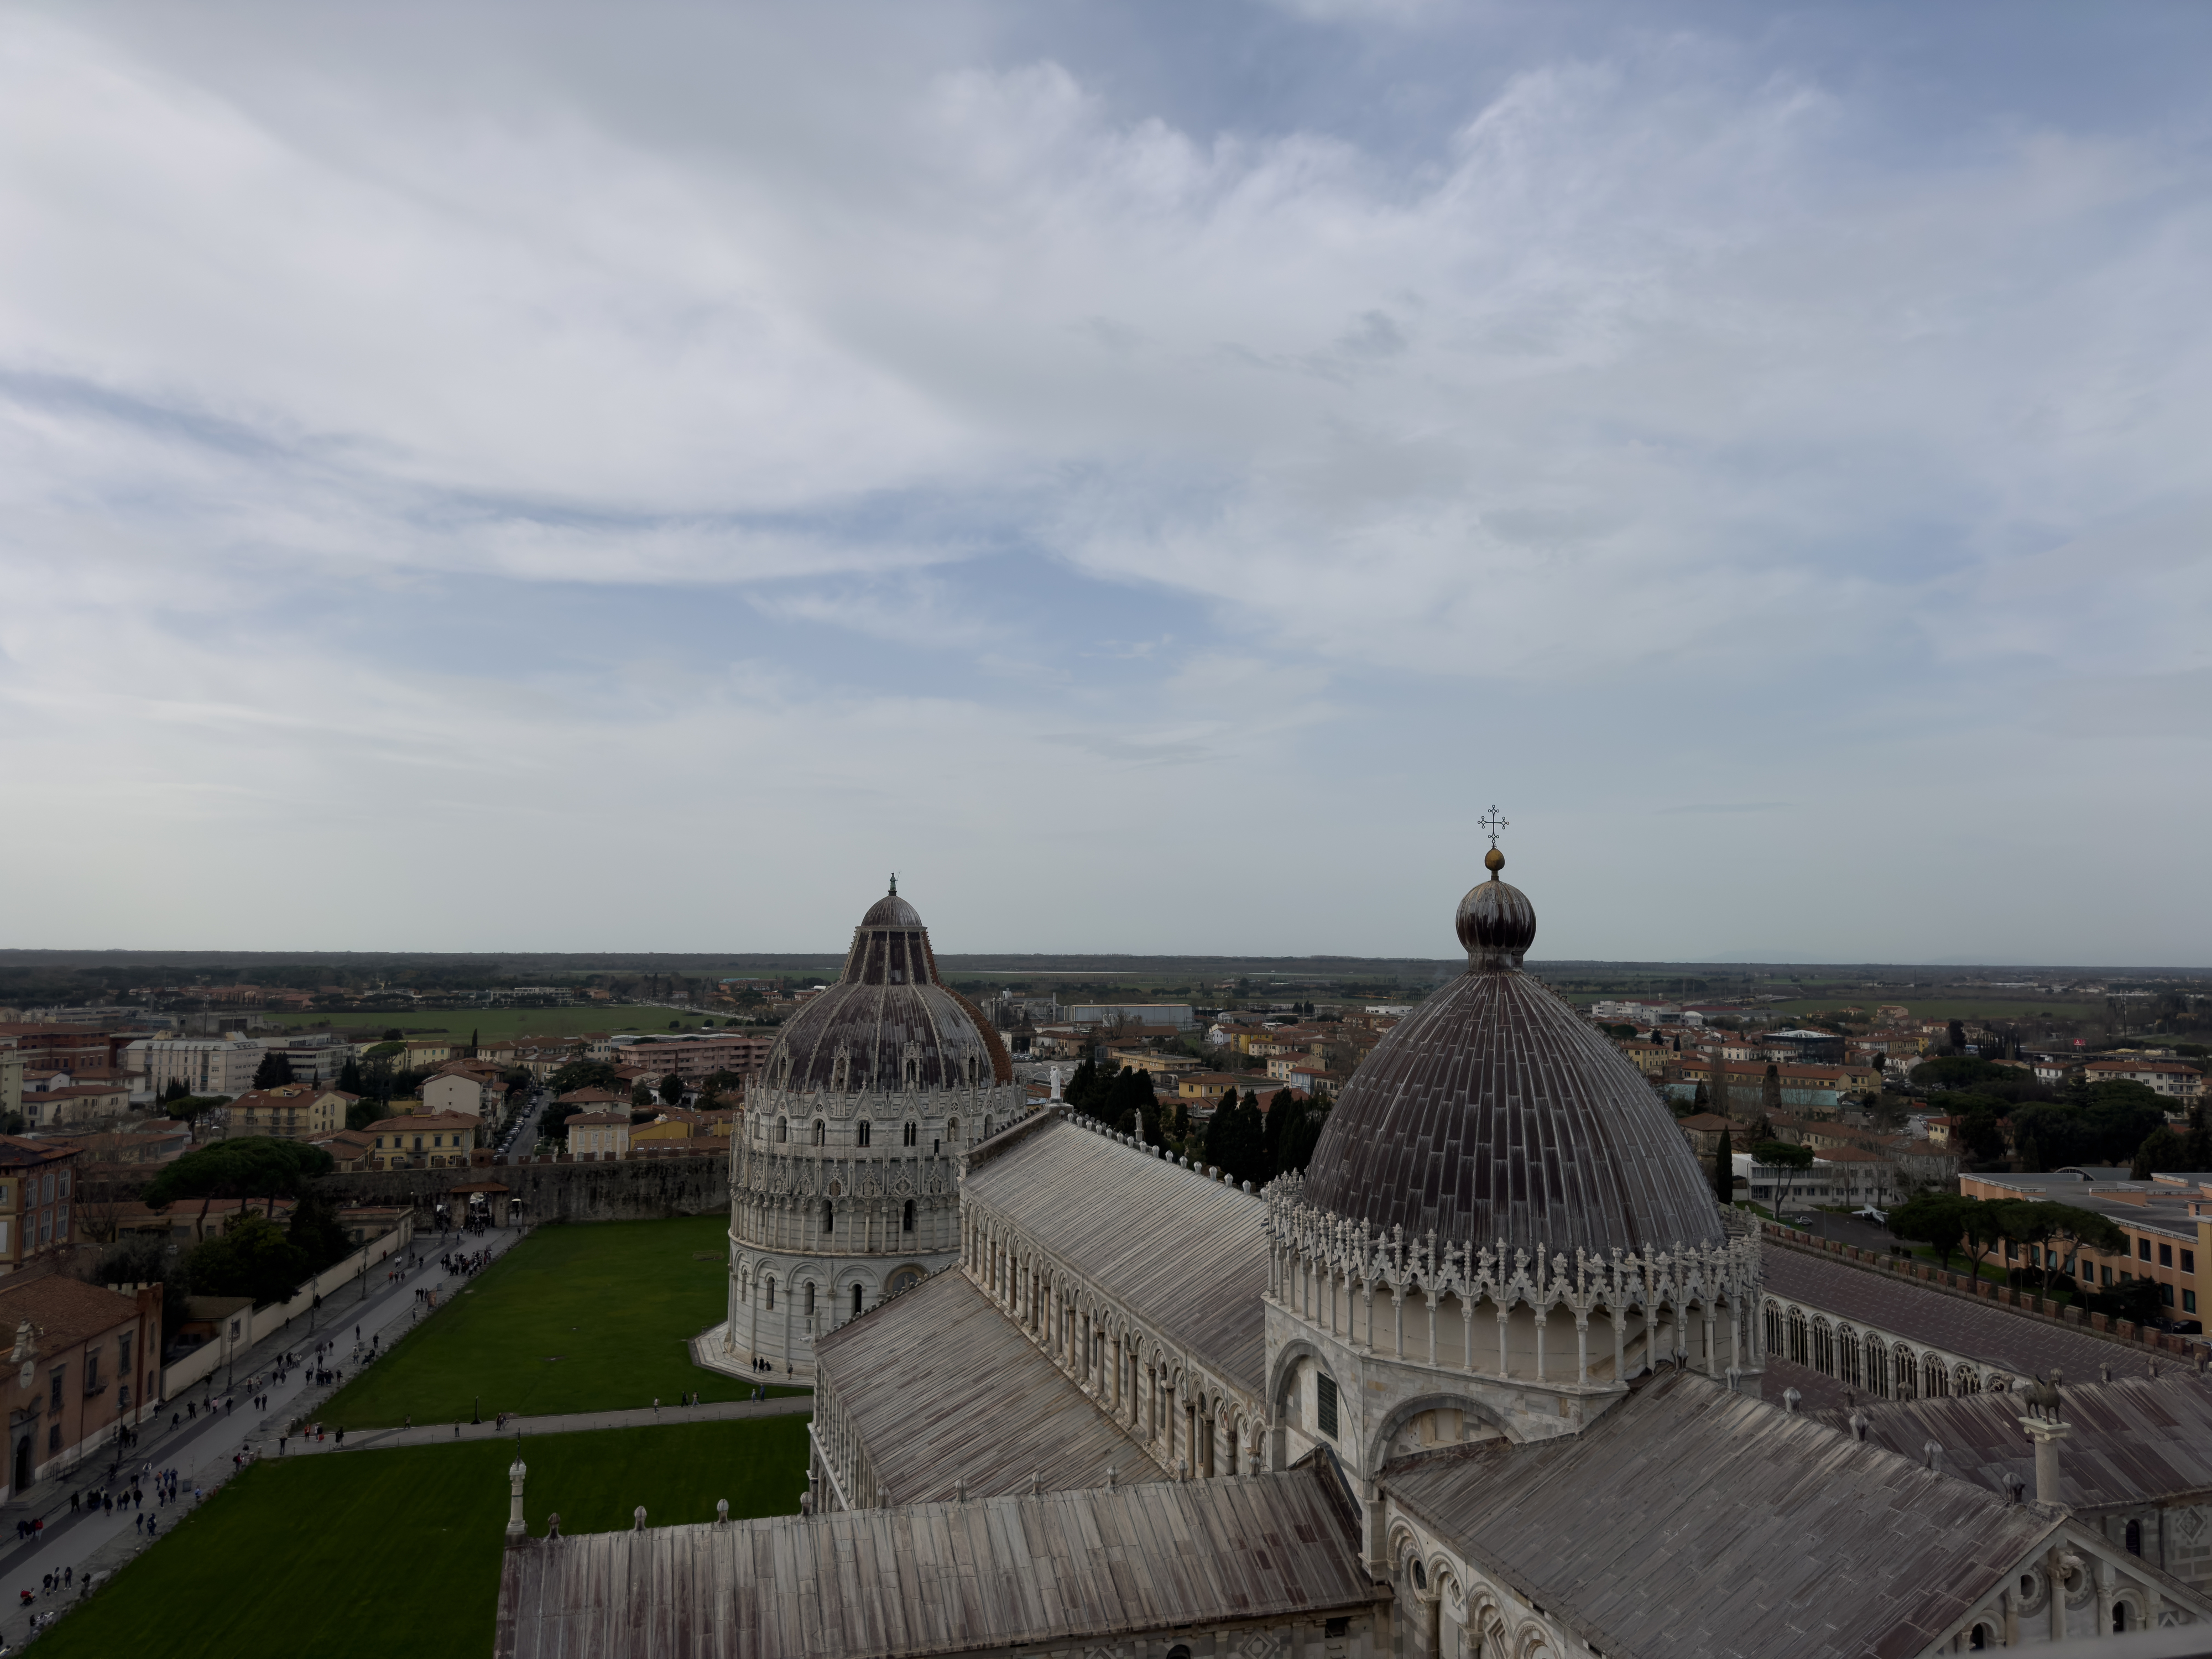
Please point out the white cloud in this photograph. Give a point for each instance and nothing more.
(1662, 372)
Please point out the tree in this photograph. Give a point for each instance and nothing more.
(472, 1044)
(1958, 1037)
(363, 1113)
(251, 1256)
(2168, 1148)
(349, 1076)
(2036, 1223)
(1938, 1220)
(1979, 1134)
(1785, 1156)
(254, 1166)
(1303, 1121)
(640, 1095)
(1724, 1171)
(1770, 1090)
(176, 1090)
(584, 1074)
(1131, 1092)
(1084, 1092)
(274, 1071)
(144, 1259)
(673, 1089)
(315, 1229)
(395, 1035)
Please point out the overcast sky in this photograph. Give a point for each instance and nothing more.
(595, 476)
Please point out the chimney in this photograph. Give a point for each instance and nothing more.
(1789, 1399)
(1860, 1423)
(1933, 1454)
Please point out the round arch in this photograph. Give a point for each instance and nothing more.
(1406, 1411)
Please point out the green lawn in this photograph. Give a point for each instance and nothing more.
(1946, 1007)
(489, 1022)
(595, 1316)
(381, 1552)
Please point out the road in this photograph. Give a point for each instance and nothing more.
(201, 1448)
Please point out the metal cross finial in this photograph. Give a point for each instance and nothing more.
(1491, 822)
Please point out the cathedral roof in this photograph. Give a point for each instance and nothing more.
(890, 1022)
(1494, 1111)
(1689, 1521)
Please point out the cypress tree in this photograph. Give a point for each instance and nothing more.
(1725, 1171)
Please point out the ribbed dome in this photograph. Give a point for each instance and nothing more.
(890, 1023)
(1494, 1111)
(1496, 922)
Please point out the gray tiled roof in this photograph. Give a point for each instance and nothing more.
(1187, 1255)
(1689, 1522)
(1993, 1336)
(1053, 1571)
(940, 1387)
(2134, 1442)
(1494, 1111)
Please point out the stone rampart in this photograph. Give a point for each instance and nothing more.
(642, 1190)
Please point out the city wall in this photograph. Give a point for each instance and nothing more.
(638, 1189)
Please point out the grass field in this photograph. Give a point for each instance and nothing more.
(1947, 1007)
(489, 1022)
(381, 1552)
(589, 1317)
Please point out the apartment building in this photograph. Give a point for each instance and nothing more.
(422, 1141)
(205, 1066)
(86, 1363)
(291, 1111)
(694, 1056)
(2168, 1220)
(35, 1181)
(2184, 1083)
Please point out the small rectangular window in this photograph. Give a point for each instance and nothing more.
(2189, 1262)
(2166, 1296)
(2166, 1255)
(1324, 1405)
(2143, 1248)
(2188, 1302)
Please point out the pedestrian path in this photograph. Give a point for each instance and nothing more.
(211, 1446)
(447, 1434)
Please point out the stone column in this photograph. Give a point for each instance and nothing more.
(2046, 1435)
(517, 1529)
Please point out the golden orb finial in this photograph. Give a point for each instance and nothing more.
(1494, 860)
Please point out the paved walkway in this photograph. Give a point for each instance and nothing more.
(447, 1434)
(90, 1544)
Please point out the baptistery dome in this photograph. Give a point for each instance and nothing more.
(1495, 1112)
(890, 1022)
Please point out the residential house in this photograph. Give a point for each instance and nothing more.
(86, 1363)
(289, 1111)
(1703, 1131)
(350, 1150)
(1205, 1085)
(69, 1105)
(1161, 1067)
(421, 1054)
(35, 1181)
(433, 1141)
(1649, 1058)
(600, 1135)
(2184, 1083)
(465, 1086)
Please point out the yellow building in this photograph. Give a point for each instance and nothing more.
(424, 1141)
(600, 1135)
(291, 1111)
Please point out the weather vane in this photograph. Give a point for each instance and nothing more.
(1491, 822)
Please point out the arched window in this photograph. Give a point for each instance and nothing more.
(856, 1301)
(1979, 1640)
(769, 1285)
(1936, 1378)
(1877, 1366)
(1824, 1348)
(783, 1128)
(906, 1222)
(829, 1216)
(1908, 1373)
(821, 1132)
(810, 1299)
(1966, 1380)
(913, 1134)
(986, 1128)
(952, 1131)
(867, 1131)
(1773, 1322)
(2119, 1616)
(2134, 1541)
(1847, 1356)
(1797, 1336)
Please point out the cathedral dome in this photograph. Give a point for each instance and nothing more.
(1496, 1112)
(890, 1023)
